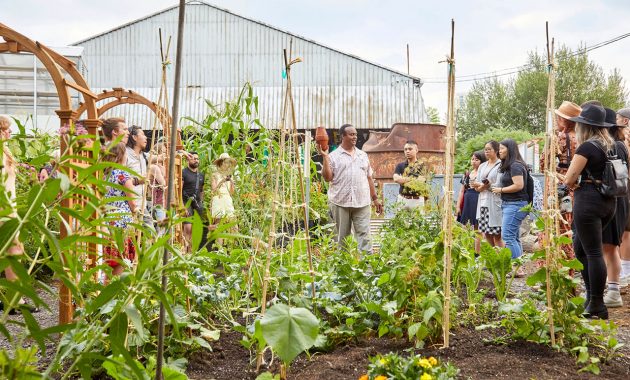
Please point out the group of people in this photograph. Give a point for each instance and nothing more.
(599, 220)
(494, 193)
(499, 186)
(141, 190)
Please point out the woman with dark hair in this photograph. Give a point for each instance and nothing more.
(119, 211)
(489, 214)
(591, 211)
(512, 187)
(468, 196)
(613, 232)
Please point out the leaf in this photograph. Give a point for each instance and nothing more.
(118, 332)
(384, 279)
(428, 313)
(539, 277)
(382, 330)
(197, 231)
(108, 293)
(267, 376)
(210, 335)
(289, 331)
(170, 373)
(136, 319)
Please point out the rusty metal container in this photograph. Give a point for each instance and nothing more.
(385, 150)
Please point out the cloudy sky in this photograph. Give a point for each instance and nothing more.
(491, 35)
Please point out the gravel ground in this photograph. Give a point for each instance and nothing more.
(46, 318)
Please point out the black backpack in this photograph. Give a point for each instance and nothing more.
(614, 181)
(530, 187)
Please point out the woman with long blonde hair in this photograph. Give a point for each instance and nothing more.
(591, 211)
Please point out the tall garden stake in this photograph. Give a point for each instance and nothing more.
(171, 169)
(550, 207)
(288, 62)
(447, 222)
(272, 228)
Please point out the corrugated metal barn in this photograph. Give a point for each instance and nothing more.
(223, 50)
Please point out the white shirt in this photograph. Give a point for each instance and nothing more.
(138, 164)
(350, 186)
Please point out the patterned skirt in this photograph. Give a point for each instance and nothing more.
(484, 223)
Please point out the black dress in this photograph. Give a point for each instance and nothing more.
(471, 197)
(613, 231)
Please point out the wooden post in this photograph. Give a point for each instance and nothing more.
(447, 223)
(66, 309)
(550, 207)
(171, 190)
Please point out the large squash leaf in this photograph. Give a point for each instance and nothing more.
(289, 330)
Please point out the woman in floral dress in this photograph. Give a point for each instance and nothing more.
(119, 213)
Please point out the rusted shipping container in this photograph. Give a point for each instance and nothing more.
(385, 150)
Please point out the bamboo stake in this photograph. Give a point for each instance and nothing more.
(550, 210)
(447, 222)
(288, 62)
(272, 229)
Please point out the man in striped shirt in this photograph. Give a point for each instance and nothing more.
(351, 189)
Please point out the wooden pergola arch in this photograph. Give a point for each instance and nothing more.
(56, 64)
(121, 96)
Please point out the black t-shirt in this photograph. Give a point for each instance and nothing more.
(414, 171)
(190, 184)
(515, 170)
(596, 159)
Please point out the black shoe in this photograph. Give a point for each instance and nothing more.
(600, 312)
(30, 308)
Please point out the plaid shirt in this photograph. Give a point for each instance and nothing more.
(350, 186)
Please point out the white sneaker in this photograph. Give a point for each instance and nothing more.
(624, 281)
(612, 298)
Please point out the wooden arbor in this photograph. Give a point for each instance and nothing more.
(59, 68)
(121, 96)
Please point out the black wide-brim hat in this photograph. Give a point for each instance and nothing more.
(593, 115)
(611, 117)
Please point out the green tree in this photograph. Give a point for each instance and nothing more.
(519, 103)
(434, 115)
(465, 149)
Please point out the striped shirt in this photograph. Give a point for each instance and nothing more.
(350, 186)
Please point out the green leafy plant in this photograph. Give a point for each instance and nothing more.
(289, 330)
(499, 263)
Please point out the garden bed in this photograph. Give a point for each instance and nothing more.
(469, 352)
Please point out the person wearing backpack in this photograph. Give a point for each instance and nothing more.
(592, 210)
(613, 232)
(513, 187)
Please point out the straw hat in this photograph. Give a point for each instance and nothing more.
(225, 161)
(568, 109)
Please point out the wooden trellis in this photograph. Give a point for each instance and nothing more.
(59, 67)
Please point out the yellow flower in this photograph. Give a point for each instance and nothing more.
(380, 377)
(383, 361)
(424, 363)
(364, 377)
(426, 376)
(432, 360)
